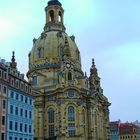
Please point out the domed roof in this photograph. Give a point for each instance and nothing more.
(54, 2)
(51, 48)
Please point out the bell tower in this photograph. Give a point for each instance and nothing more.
(54, 16)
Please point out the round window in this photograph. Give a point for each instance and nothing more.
(70, 93)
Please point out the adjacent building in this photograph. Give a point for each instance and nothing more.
(69, 104)
(114, 130)
(3, 100)
(16, 98)
(124, 131)
(129, 131)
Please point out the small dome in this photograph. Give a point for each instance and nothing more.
(51, 48)
(54, 2)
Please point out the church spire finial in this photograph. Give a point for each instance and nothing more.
(13, 64)
(13, 56)
(93, 69)
(93, 63)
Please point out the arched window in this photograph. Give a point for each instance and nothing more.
(71, 113)
(51, 15)
(95, 118)
(69, 76)
(71, 121)
(59, 17)
(51, 118)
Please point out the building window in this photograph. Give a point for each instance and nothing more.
(50, 97)
(3, 104)
(20, 139)
(2, 136)
(16, 96)
(51, 115)
(40, 52)
(51, 122)
(25, 128)
(21, 127)
(15, 138)
(30, 129)
(69, 76)
(51, 14)
(5, 90)
(16, 111)
(16, 126)
(26, 100)
(21, 86)
(60, 17)
(51, 131)
(71, 129)
(3, 120)
(12, 94)
(21, 112)
(17, 84)
(12, 82)
(71, 114)
(11, 125)
(71, 121)
(30, 114)
(26, 88)
(11, 109)
(95, 118)
(10, 138)
(5, 75)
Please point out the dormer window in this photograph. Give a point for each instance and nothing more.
(12, 82)
(17, 84)
(40, 53)
(5, 76)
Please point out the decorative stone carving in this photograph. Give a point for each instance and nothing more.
(73, 38)
(59, 34)
(34, 40)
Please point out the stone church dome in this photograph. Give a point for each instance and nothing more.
(52, 47)
(54, 52)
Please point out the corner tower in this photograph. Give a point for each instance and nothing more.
(67, 102)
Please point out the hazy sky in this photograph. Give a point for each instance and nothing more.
(107, 30)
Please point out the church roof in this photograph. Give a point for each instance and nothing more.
(54, 2)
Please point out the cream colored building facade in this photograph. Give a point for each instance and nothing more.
(68, 104)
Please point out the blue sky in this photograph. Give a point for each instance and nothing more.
(107, 30)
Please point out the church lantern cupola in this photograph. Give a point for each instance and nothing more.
(54, 16)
